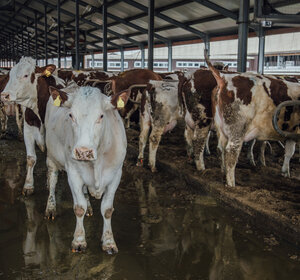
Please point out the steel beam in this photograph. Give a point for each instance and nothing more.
(77, 63)
(143, 56)
(104, 34)
(170, 56)
(223, 11)
(58, 35)
(45, 34)
(122, 59)
(243, 35)
(35, 38)
(261, 50)
(150, 33)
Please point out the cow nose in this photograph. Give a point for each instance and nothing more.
(84, 153)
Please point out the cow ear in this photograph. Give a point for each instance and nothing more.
(59, 97)
(225, 68)
(119, 100)
(46, 70)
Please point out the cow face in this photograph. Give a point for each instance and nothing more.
(22, 85)
(89, 115)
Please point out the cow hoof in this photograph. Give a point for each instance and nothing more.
(89, 211)
(50, 214)
(153, 169)
(78, 247)
(286, 174)
(27, 190)
(110, 249)
(140, 162)
(21, 138)
(229, 186)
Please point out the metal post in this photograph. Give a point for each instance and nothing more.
(261, 50)
(28, 39)
(170, 56)
(122, 59)
(93, 60)
(13, 48)
(104, 27)
(58, 35)
(35, 38)
(150, 33)
(77, 63)
(143, 56)
(22, 39)
(243, 35)
(46, 35)
(65, 52)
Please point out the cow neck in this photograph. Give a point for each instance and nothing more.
(43, 84)
(3, 81)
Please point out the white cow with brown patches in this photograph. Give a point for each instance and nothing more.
(88, 141)
(243, 106)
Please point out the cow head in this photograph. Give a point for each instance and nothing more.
(89, 113)
(22, 85)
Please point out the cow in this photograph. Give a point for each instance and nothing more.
(88, 141)
(3, 116)
(135, 80)
(159, 111)
(243, 106)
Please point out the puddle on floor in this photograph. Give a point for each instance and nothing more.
(161, 229)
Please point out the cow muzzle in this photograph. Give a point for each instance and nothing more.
(5, 97)
(83, 153)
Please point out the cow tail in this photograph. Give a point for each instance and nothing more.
(220, 81)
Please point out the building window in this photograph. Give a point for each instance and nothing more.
(188, 64)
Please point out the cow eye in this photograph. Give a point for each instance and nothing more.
(25, 76)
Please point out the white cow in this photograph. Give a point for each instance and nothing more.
(88, 141)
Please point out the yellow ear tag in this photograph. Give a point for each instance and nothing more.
(120, 103)
(57, 101)
(47, 73)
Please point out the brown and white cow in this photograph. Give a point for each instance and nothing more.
(159, 111)
(127, 81)
(243, 106)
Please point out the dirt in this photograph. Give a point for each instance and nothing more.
(261, 192)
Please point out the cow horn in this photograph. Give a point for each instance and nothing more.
(286, 134)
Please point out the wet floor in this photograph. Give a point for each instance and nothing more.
(163, 231)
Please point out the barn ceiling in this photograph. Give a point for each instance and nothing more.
(175, 21)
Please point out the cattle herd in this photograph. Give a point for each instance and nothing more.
(76, 115)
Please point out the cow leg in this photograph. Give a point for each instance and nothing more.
(250, 154)
(222, 142)
(89, 211)
(207, 150)
(232, 152)
(3, 118)
(199, 140)
(154, 141)
(188, 135)
(129, 114)
(262, 158)
(19, 121)
(31, 160)
(80, 207)
(108, 242)
(289, 151)
(51, 183)
(145, 126)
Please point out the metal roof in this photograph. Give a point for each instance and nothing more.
(175, 21)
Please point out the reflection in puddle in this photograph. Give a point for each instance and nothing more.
(162, 230)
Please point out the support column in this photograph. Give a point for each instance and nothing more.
(28, 39)
(93, 60)
(143, 56)
(261, 50)
(77, 63)
(65, 51)
(58, 35)
(46, 35)
(22, 39)
(243, 35)
(122, 59)
(150, 33)
(170, 56)
(35, 38)
(104, 31)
